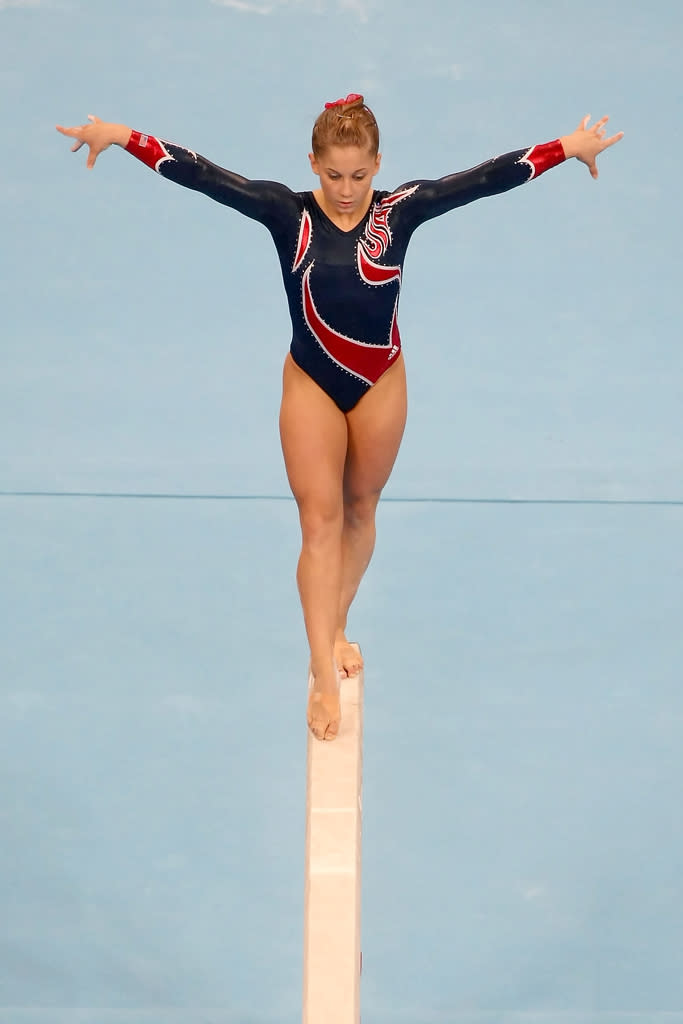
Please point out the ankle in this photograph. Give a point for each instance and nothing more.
(324, 669)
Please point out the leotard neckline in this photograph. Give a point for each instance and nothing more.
(344, 231)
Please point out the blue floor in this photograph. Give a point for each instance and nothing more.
(522, 813)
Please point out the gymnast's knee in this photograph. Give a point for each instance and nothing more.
(359, 509)
(321, 522)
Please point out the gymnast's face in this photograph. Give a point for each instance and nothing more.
(346, 174)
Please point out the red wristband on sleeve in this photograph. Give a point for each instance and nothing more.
(543, 157)
(146, 148)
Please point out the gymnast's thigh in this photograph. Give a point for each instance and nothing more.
(375, 428)
(313, 432)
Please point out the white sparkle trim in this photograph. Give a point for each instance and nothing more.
(525, 160)
(306, 221)
(169, 156)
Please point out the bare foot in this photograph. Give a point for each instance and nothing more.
(324, 710)
(349, 659)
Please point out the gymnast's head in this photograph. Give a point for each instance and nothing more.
(345, 153)
(346, 122)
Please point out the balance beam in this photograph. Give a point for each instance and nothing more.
(332, 953)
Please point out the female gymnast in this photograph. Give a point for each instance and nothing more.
(341, 249)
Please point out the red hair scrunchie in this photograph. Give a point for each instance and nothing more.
(351, 98)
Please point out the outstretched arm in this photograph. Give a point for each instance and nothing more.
(265, 201)
(502, 173)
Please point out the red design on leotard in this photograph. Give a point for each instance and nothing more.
(377, 232)
(543, 157)
(375, 273)
(305, 233)
(362, 359)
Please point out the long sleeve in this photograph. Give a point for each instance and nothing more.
(433, 198)
(264, 201)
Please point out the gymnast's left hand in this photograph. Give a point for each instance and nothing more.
(586, 143)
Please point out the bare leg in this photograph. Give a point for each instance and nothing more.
(358, 543)
(337, 466)
(375, 430)
(314, 441)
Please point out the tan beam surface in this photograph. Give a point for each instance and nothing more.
(332, 953)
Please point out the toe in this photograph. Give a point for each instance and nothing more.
(323, 716)
(349, 662)
(355, 666)
(325, 730)
(316, 726)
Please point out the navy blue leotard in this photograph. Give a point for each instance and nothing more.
(343, 286)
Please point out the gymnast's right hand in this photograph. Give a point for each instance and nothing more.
(97, 136)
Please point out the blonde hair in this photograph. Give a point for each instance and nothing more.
(346, 123)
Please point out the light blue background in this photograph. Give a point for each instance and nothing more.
(521, 621)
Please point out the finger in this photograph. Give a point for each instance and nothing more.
(584, 123)
(90, 162)
(612, 139)
(76, 146)
(593, 168)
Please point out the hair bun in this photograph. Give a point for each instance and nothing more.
(345, 122)
(354, 98)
